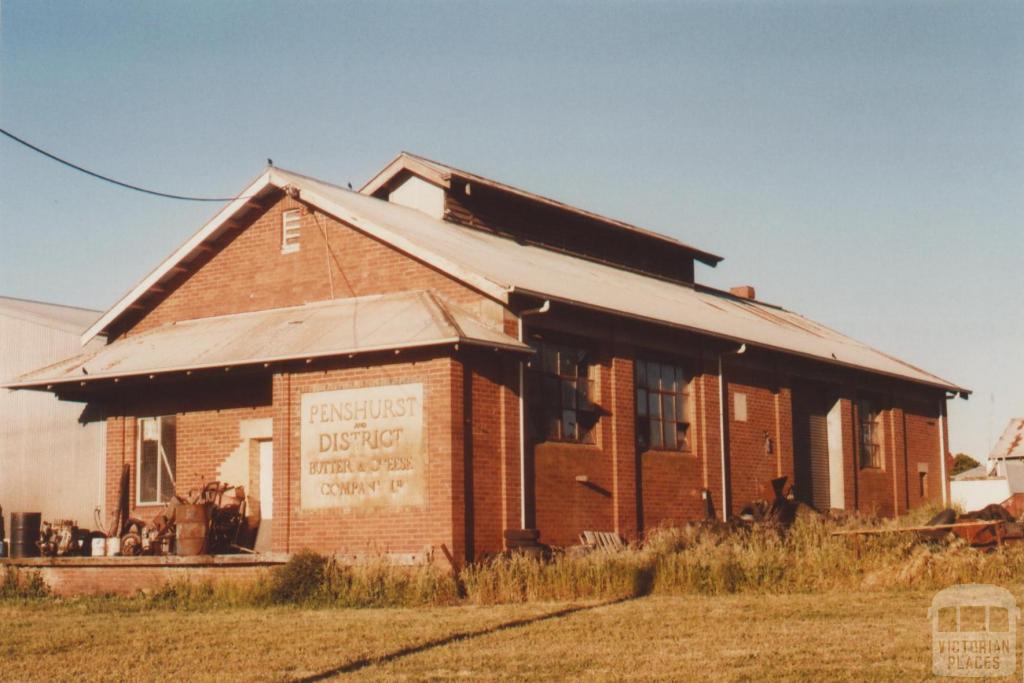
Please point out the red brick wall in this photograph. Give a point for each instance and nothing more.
(922, 444)
(493, 413)
(911, 436)
(250, 273)
(378, 531)
(123, 576)
(609, 499)
(208, 419)
(751, 467)
(604, 498)
(673, 481)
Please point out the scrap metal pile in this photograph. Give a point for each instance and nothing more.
(210, 521)
(777, 508)
(990, 526)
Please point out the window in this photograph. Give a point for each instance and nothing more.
(870, 425)
(560, 394)
(662, 406)
(155, 469)
(290, 231)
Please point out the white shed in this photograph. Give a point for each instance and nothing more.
(997, 479)
(51, 451)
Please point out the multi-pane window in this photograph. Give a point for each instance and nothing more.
(155, 469)
(561, 394)
(290, 231)
(869, 424)
(662, 406)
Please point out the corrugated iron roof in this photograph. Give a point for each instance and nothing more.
(357, 325)
(1011, 443)
(563, 277)
(499, 266)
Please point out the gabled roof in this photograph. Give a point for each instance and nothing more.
(270, 181)
(498, 266)
(67, 318)
(441, 174)
(1011, 443)
(344, 326)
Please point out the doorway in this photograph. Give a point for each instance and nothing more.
(817, 458)
(266, 494)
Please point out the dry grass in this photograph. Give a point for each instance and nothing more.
(692, 603)
(877, 636)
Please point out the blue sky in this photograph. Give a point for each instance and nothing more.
(860, 163)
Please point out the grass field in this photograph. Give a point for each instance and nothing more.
(876, 636)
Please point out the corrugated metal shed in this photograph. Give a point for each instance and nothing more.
(69, 318)
(50, 460)
(356, 325)
(1011, 443)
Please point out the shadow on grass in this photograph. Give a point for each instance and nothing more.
(362, 663)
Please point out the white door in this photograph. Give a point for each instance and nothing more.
(267, 479)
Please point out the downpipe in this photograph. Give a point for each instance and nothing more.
(540, 310)
(723, 396)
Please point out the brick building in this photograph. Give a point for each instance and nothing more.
(421, 365)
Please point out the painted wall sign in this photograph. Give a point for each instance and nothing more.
(363, 448)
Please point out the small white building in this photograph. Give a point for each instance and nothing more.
(999, 478)
(52, 452)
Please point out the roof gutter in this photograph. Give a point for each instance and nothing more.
(959, 391)
(48, 384)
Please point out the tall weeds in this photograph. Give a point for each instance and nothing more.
(520, 578)
(20, 584)
(312, 580)
(708, 559)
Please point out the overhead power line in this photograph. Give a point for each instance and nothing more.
(166, 195)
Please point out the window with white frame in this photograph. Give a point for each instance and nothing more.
(290, 221)
(662, 406)
(157, 459)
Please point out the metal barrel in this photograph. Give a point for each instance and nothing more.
(25, 533)
(191, 523)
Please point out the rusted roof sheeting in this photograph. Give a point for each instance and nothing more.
(359, 325)
(1011, 443)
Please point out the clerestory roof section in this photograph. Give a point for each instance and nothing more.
(498, 266)
(345, 326)
(441, 174)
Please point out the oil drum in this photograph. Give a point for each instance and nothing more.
(191, 522)
(25, 533)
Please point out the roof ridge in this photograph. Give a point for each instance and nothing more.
(711, 259)
(4, 297)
